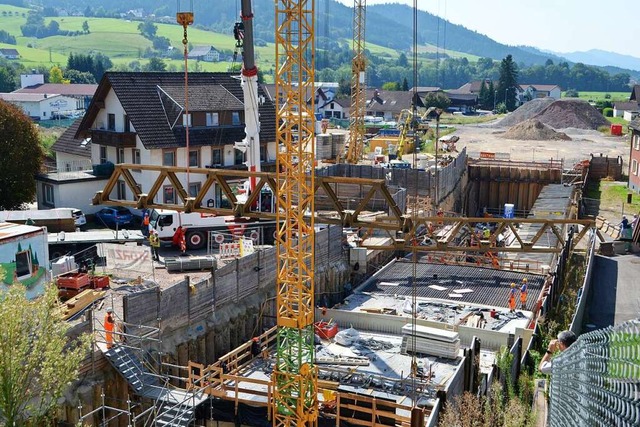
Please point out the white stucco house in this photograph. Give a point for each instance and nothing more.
(534, 91)
(40, 106)
(139, 118)
(628, 109)
(205, 53)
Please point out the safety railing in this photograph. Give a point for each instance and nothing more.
(596, 381)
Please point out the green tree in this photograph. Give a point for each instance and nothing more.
(483, 95)
(508, 82)
(148, 29)
(402, 60)
(82, 77)
(37, 359)
(437, 99)
(155, 64)
(20, 157)
(56, 76)
(85, 26)
(7, 79)
(405, 84)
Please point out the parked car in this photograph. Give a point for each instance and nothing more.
(114, 216)
(78, 216)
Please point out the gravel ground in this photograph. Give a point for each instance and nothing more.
(488, 138)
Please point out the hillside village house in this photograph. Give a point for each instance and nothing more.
(627, 110)
(139, 118)
(388, 104)
(9, 54)
(205, 53)
(634, 156)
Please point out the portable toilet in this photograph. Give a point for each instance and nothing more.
(509, 210)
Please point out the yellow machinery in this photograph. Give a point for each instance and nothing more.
(358, 85)
(404, 122)
(295, 374)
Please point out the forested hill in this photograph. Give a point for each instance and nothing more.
(388, 25)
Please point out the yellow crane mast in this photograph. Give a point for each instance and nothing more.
(358, 84)
(295, 375)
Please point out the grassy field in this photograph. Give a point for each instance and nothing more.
(613, 200)
(601, 96)
(429, 48)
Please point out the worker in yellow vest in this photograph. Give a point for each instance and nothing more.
(154, 242)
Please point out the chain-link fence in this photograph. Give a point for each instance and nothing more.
(596, 381)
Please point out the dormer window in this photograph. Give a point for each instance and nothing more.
(235, 118)
(186, 120)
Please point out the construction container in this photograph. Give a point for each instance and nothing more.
(326, 330)
(509, 210)
(99, 282)
(73, 281)
(616, 129)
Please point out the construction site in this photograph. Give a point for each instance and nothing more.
(377, 293)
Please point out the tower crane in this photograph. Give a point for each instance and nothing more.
(358, 85)
(295, 376)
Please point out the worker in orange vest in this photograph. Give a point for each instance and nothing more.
(512, 298)
(109, 325)
(523, 293)
(145, 224)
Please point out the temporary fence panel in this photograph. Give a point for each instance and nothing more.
(596, 381)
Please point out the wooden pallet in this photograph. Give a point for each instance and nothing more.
(78, 303)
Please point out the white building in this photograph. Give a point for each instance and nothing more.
(205, 53)
(41, 106)
(139, 118)
(534, 91)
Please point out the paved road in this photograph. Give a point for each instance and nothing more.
(615, 291)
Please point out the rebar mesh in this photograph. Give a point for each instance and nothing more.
(596, 381)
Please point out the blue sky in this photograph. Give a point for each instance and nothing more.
(558, 25)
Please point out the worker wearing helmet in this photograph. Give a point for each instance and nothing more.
(523, 293)
(109, 325)
(512, 298)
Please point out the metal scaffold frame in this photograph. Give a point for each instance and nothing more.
(295, 375)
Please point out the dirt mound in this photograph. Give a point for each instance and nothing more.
(572, 113)
(526, 111)
(534, 129)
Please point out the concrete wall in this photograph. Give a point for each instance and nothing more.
(203, 320)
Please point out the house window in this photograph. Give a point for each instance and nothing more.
(194, 189)
(168, 157)
(235, 118)
(186, 120)
(127, 124)
(48, 194)
(44, 114)
(212, 119)
(120, 155)
(139, 187)
(194, 158)
(135, 156)
(636, 141)
(634, 167)
(103, 155)
(111, 125)
(121, 190)
(239, 157)
(263, 153)
(168, 194)
(216, 157)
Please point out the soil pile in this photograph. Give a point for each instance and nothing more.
(534, 129)
(526, 111)
(572, 113)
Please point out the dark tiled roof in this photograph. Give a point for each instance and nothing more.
(473, 87)
(490, 287)
(635, 93)
(635, 125)
(394, 101)
(62, 89)
(205, 97)
(67, 143)
(142, 101)
(9, 52)
(626, 106)
(540, 88)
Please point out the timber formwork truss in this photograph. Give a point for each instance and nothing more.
(406, 232)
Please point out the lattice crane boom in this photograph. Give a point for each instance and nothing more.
(295, 374)
(358, 84)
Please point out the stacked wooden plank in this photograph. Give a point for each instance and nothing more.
(79, 302)
(430, 341)
(191, 263)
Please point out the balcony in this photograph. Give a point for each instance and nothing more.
(112, 138)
